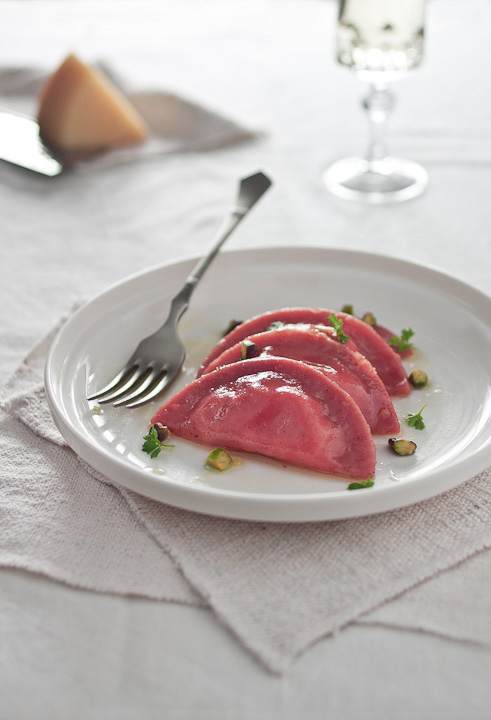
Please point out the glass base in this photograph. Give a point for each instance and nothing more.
(381, 181)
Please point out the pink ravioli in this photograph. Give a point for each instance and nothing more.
(369, 343)
(350, 370)
(277, 407)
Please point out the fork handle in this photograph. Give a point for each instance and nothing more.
(228, 226)
(181, 301)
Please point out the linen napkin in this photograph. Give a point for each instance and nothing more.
(176, 124)
(277, 587)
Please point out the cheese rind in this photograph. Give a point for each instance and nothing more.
(80, 109)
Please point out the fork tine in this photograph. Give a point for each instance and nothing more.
(153, 392)
(133, 386)
(147, 386)
(117, 382)
(134, 383)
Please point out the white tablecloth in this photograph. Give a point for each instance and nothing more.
(66, 653)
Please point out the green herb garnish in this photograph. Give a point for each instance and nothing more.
(152, 444)
(337, 324)
(415, 420)
(359, 485)
(276, 325)
(402, 343)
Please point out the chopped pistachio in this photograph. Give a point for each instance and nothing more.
(247, 349)
(162, 431)
(418, 379)
(219, 459)
(348, 309)
(401, 446)
(369, 319)
(232, 325)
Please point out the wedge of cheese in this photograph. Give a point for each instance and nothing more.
(81, 110)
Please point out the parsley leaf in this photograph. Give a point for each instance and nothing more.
(402, 343)
(415, 420)
(152, 444)
(337, 324)
(359, 485)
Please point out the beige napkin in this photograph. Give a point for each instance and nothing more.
(278, 587)
(176, 124)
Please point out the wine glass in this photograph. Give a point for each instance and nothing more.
(380, 41)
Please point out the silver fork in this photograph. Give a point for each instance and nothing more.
(157, 360)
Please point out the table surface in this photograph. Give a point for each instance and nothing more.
(269, 65)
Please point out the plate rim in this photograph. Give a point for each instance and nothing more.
(183, 496)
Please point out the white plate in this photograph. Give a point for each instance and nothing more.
(452, 324)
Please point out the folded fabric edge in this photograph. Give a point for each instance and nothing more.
(276, 663)
(422, 627)
(36, 355)
(23, 397)
(279, 663)
(19, 562)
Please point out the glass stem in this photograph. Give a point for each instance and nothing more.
(379, 104)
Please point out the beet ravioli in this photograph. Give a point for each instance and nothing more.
(277, 407)
(368, 342)
(339, 361)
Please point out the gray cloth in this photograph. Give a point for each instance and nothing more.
(278, 587)
(175, 124)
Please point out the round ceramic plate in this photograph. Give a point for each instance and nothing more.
(452, 325)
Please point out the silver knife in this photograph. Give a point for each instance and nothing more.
(20, 144)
